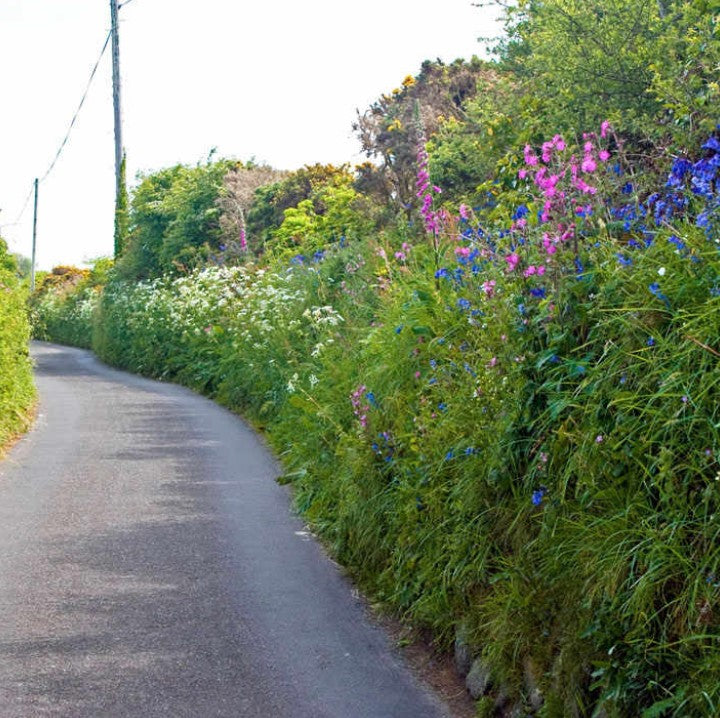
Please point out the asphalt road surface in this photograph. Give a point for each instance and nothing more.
(151, 566)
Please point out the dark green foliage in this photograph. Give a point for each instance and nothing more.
(121, 213)
(17, 392)
(174, 220)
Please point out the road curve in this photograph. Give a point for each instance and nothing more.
(151, 566)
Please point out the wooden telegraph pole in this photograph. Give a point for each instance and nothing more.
(116, 95)
(32, 264)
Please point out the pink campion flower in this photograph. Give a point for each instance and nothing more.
(549, 245)
(520, 223)
(559, 143)
(547, 148)
(492, 362)
(540, 270)
(588, 147)
(406, 247)
(545, 216)
(243, 240)
(462, 251)
(530, 157)
(530, 271)
(604, 128)
(522, 174)
(512, 260)
(604, 155)
(381, 253)
(437, 189)
(588, 164)
(489, 287)
(417, 374)
(401, 256)
(464, 211)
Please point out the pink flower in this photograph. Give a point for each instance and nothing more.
(417, 374)
(522, 174)
(530, 271)
(489, 287)
(464, 211)
(512, 260)
(589, 164)
(401, 256)
(559, 142)
(604, 127)
(541, 270)
(604, 155)
(462, 251)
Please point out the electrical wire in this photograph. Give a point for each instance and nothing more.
(77, 112)
(22, 211)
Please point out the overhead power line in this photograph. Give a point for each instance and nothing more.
(22, 211)
(77, 112)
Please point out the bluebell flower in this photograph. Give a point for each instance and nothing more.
(537, 496)
(463, 303)
(441, 273)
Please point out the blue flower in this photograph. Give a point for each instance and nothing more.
(622, 259)
(442, 406)
(537, 496)
(371, 398)
(650, 342)
(520, 212)
(463, 303)
(450, 455)
(538, 292)
(441, 273)
(399, 329)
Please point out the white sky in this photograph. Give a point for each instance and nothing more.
(278, 80)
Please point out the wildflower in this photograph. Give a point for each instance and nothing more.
(599, 439)
(464, 211)
(442, 406)
(463, 304)
(399, 329)
(661, 271)
(489, 287)
(512, 260)
(604, 128)
(650, 342)
(537, 496)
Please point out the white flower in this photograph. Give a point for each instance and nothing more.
(661, 271)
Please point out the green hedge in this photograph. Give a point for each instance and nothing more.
(17, 391)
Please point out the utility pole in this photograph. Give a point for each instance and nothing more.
(32, 264)
(116, 97)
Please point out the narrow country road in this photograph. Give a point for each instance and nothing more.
(151, 566)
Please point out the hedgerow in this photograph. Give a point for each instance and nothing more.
(17, 391)
(491, 373)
